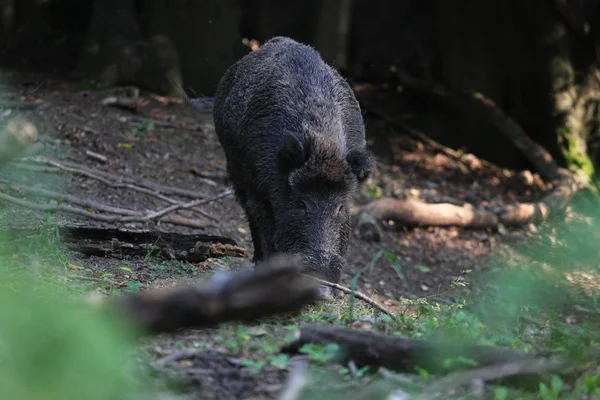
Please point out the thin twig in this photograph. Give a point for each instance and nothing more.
(99, 217)
(356, 294)
(190, 204)
(96, 156)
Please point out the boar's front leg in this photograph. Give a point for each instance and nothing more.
(261, 227)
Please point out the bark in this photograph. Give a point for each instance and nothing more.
(121, 243)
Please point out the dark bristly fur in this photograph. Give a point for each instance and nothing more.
(294, 138)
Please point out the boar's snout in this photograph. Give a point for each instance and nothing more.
(324, 265)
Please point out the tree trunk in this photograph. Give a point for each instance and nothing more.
(333, 30)
(207, 36)
(113, 52)
(161, 71)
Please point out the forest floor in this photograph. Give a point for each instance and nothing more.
(165, 141)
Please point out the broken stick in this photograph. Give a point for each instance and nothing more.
(358, 295)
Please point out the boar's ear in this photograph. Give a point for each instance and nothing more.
(293, 154)
(361, 163)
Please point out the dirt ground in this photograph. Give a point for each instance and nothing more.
(179, 148)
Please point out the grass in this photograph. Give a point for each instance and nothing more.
(544, 299)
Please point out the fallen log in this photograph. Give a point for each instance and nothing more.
(245, 296)
(414, 212)
(120, 243)
(399, 354)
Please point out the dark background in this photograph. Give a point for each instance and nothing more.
(536, 59)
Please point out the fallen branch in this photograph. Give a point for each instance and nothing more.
(454, 154)
(539, 157)
(356, 294)
(15, 137)
(244, 296)
(176, 220)
(415, 212)
(394, 353)
(96, 156)
(507, 126)
(114, 184)
(127, 243)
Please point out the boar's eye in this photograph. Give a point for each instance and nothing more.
(301, 205)
(341, 209)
